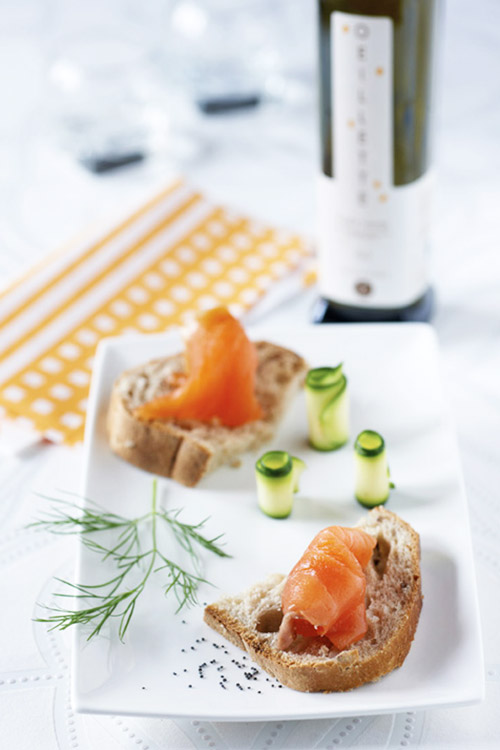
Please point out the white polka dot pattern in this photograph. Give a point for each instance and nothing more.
(188, 259)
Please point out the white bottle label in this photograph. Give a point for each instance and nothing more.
(372, 234)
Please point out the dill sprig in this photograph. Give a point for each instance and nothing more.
(116, 597)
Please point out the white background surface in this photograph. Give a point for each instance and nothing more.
(265, 163)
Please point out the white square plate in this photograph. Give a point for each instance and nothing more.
(395, 388)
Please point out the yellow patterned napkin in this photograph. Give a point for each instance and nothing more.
(177, 255)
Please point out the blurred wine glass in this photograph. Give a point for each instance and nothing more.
(222, 52)
(106, 88)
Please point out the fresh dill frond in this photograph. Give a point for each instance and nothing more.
(117, 597)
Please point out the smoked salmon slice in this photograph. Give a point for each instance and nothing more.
(324, 595)
(221, 367)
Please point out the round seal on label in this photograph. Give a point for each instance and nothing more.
(363, 287)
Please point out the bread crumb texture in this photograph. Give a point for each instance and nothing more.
(393, 600)
(185, 450)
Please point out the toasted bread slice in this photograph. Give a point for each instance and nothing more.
(186, 450)
(393, 603)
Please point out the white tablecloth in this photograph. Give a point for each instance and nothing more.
(264, 162)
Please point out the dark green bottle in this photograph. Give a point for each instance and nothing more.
(376, 101)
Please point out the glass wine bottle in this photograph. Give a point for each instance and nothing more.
(376, 96)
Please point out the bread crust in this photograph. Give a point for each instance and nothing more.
(185, 450)
(361, 663)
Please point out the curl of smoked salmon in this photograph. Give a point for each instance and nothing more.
(221, 368)
(325, 592)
